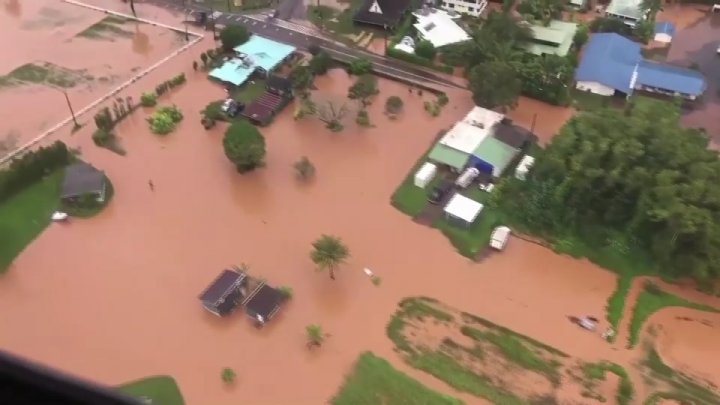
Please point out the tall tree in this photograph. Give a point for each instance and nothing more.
(233, 35)
(494, 85)
(244, 146)
(328, 253)
(363, 89)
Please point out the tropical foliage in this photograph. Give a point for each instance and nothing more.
(244, 146)
(635, 178)
(328, 253)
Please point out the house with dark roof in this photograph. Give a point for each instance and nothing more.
(264, 304)
(613, 65)
(225, 293)
(381, 13)
(82, 179)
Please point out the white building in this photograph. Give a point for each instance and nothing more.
(462, 211)
(469, 7)
(629, 11)
(425, 174)
(438, 27)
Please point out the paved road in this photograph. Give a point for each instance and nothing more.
(301, 37)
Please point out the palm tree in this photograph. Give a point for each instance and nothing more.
(328, 253)
(315, 335)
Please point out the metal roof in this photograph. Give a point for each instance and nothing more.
(672, 78)
(610, 60)
(665, 27)
(448, 156)
(82, 178)
(227, 282)
(627, 8)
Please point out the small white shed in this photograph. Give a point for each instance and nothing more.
(523, 167)
(664, 32)
(425, 174)
(462, 211)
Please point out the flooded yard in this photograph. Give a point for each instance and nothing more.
(696, 42)
(67, 48)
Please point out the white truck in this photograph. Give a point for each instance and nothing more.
(499, 237)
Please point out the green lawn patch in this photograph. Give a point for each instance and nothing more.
(334, 20)
(162, 390)
(682, 387)
(517, 351)
(375, 381)
(44, 73)
(616, 302)
(249, 92)
(597, 372)
(651, 300)
(448, 370)
(448, 361)
(25, 215)
(107, 29)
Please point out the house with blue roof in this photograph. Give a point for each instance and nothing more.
(614, 65)
(664, 32)
(258, 54)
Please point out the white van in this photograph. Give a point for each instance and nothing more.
(499, 237)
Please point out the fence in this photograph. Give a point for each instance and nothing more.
(197, 38)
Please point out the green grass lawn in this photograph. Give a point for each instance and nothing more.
(679, 386)
(374, 381)
(25, 215)
(334, 20)
(594, 372)
(517, 349)
(163, 390)
(651, 300)
(249, 92)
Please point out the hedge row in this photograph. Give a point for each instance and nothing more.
(418, 60)
(32, 167)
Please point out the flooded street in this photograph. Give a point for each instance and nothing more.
(79, 51)
(697, 43)
(118, 292)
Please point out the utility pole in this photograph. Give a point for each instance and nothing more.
(72, 112)
(228, 4)
(132, 7)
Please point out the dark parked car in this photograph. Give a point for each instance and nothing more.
(439, 192)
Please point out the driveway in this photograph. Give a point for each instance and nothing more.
(698, 44)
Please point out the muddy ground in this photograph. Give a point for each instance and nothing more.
(119, 292)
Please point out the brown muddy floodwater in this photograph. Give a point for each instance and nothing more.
(118, 292)
(45, 31)
(687, 339)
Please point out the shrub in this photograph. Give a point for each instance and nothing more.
(362, 119)
(195, 65)
(101, 137)
(164, 120)
(244, 146)
(103, 119)
(207, 122)
(442, 99)
(228, 375)
(178, 80)
(393, 105)
(32, 167)
(232, 36)
(286, 292)
(148, 99)
(204, 58)
(304, 168)
(161, 89)
(360, 66)
(320, 63)
(425, 49)
(581, 36)
(432, 107)
(214, 111)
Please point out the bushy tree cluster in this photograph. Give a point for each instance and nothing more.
(637, 173)
(32, 167)
(500, 69)
(244, 146)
